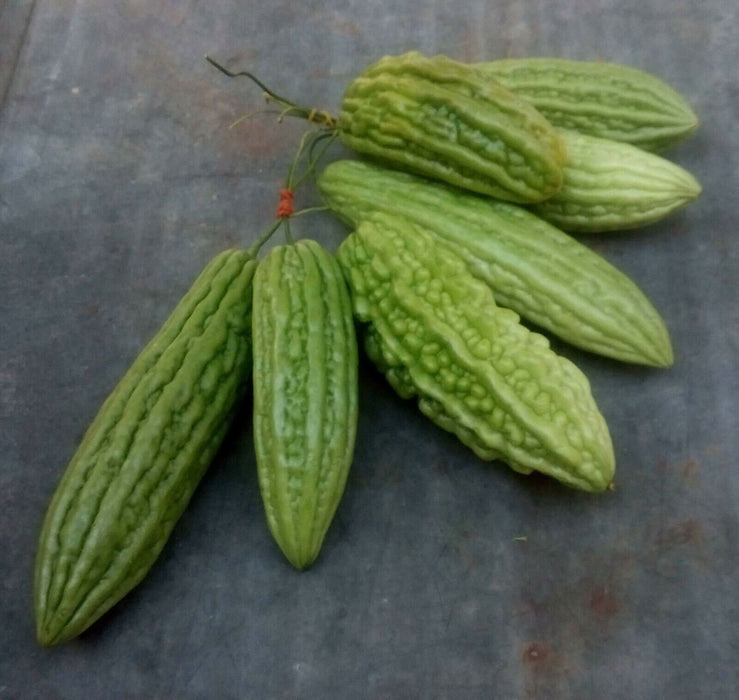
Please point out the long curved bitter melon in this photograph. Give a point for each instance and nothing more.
(305, 393)
(145, 452)
(544, 275)
(442, 119)
(436, 332)
(612, 186)
(601, 99)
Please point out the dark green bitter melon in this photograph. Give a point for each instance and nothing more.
(437, 333)
(305, 394)
(444, 120)
(544, 275)
(145, 452)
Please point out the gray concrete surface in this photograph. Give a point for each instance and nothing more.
(119, 179)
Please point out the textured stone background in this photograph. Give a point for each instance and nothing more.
(119, 179)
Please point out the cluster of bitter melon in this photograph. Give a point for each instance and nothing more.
(540, 272)
(431, 263)
(561, 135)
(149, 446)
(443, 262)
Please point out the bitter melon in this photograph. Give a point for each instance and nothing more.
(305, 394)
(437, 333)
(442, 119)
(601, 99)
(148, 447)
(543, 274)
(611, 186)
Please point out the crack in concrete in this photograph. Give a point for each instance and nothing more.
(23, 22)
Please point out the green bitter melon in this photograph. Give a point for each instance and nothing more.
(305, 394)
(442, 119)
(543, 274)
(437, 333)
(611, 186)
(145, 452)
(601, 99)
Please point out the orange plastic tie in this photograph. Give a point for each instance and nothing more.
(285, 205)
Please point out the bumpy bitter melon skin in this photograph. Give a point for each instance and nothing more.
(544, 275)
(305, 394)
(145, 452)
(436, 332)
(611, 186)
(601, 99)
(441, 119)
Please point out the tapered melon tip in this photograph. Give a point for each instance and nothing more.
(659, 355)
(692, 121)
(46, 637)
(693, 188)
(684, 186)
(667, 354)
(608, 469)
(300, 561)
(600, 473)
(693, 125)
(683, 125)
(299, 556)
(52, 629)
(49, 633)
(666, 358)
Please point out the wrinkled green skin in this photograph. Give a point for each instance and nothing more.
(144, 454)
(533, 268)
(443, 120)
(612, 186)
(305, 394)
(437, 333)
(600, 99)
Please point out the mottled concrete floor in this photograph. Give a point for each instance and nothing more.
(442, 576)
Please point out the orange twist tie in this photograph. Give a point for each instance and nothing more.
(285, 205)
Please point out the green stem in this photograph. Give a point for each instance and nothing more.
(289, 182)
(254, 250)
(332, 136)
(308, 210)
(313, 160)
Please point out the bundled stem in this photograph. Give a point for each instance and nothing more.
(284, 209)
(307, 149)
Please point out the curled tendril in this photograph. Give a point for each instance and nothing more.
(313, 115)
